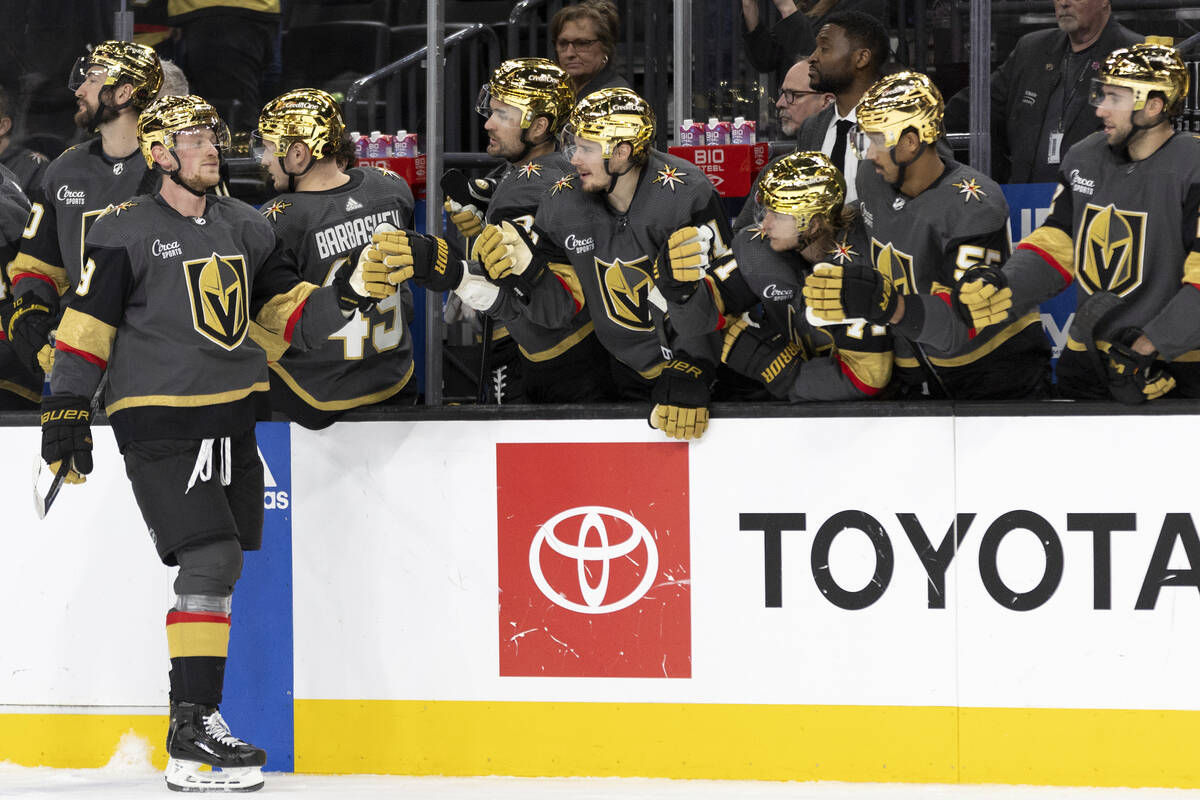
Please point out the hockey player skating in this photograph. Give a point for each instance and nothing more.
(929, 219)
(1124, 226)
(526, 103)
(328, 211)
(170, 283)
(803, 222)
(112, 85)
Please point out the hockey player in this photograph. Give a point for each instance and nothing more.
(170, 283)
(112, 85)
(1125, 227)
(19, 390)
(327, 212)
(929, 219)
(526, 103)
(803, 222)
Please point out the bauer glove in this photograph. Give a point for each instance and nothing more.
(67, 435)
(1134, 378)
(27, 326)
(681, 398)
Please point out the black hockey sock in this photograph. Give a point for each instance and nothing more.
(197, 643)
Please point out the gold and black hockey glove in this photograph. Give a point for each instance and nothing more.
(1134, 378)
(352, 291)
(67, 435)
(681, 396)
(466, 200)
(766, 357)
(682, 263)
(507, 253)
(27, 325)
(982, 297)
(837, 293)
(425, 259)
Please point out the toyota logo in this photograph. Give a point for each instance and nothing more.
(592, 520)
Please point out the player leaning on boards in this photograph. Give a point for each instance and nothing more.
(112, 85)
(327, 212)
(929, 220)
(170, 283)
(607, 230)
(1125, 227)
(803, 222)
(525, 103)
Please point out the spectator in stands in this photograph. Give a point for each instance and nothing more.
(773, 49)
(852, 48)
(1040, 92)
(225, 46)
(585, 44)
(27, 165)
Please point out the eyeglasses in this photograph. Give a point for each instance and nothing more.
(789, 96)
(578, 44)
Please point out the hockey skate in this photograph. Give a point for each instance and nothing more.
(198, 737)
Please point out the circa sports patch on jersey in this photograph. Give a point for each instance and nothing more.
(969, 188)
(276, 208)
(530, 170)
(594, 564)
(562, 183)
(670, 176)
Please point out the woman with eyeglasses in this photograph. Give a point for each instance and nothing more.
(585, 42)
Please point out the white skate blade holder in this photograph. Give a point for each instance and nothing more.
(193, 776)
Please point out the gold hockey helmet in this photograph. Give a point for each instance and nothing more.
(175, 114)
(129, 62)
(537, 86)
(898, 102)
(311, 116)
(1144, 68)
(610, 117)
(802, 185)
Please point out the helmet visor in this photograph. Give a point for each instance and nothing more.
(483, 104)
(572, 144)
(198, 137)
(1110, 96)
(861, 142)
(258, 145)
(84, 71)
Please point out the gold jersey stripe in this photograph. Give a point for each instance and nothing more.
(1190, 357)
(193, 639)
(279, 309)
(26, 263)
(1055, 244)
(85, 333)
(20, 391)
(274, 344)
(1191, 268)
(560, 348)
(186, 401)
(566, 274)
(1012, 330)
(340, 405)
(871, 369)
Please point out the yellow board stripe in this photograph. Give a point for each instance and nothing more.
(198, 639)
(77, 741)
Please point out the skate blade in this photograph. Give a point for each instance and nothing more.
(187, 776)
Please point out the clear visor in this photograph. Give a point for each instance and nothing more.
(1106, 95)
(84, 71)
(199, 137)
(572, 144)
(483, 104)
(258, 145)
(777, 224)
(861, 142)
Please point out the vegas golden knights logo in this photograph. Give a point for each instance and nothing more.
(1110, 249)
(220, 298)
(894, 265)
(626, 289)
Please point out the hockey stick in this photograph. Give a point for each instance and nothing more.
(42, 502)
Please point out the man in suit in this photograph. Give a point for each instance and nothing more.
(1040, 93)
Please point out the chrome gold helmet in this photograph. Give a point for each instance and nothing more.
(1144, 68)
(802, 185)
(123, 62)
(901, 101)
(537, 86)
(610, 117)
(175, 114)
(311, 116)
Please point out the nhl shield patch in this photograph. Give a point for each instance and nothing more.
(219, 290)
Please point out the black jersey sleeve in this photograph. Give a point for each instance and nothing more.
(1175, 329)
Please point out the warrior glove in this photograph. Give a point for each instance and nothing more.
(28, 327)
(506, 252)
(425, 259)
(681, 398)
(982, 297)
(766, 357)
(682, 263)
(67, 435)
(836, 294)
(1134, 378)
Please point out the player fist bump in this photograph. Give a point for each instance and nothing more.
(837, 293)
(506, 252)
(397, 256)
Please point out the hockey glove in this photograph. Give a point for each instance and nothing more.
(424, 259)
(352, 292)
(682, 263)
(766, 357)
(28, 329)
(475, 290)
(840, 293)
(982, 297)
(466, 200)
(681, 398)
(1134, 378)
(67, 435)
(506, 252)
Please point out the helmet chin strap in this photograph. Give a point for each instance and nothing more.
(94, 121)
(903, 166)
(174, 175)
(1121, 148)
(613, 176)
(293, 175)
(526, 146)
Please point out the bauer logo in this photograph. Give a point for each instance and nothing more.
(594, 561)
